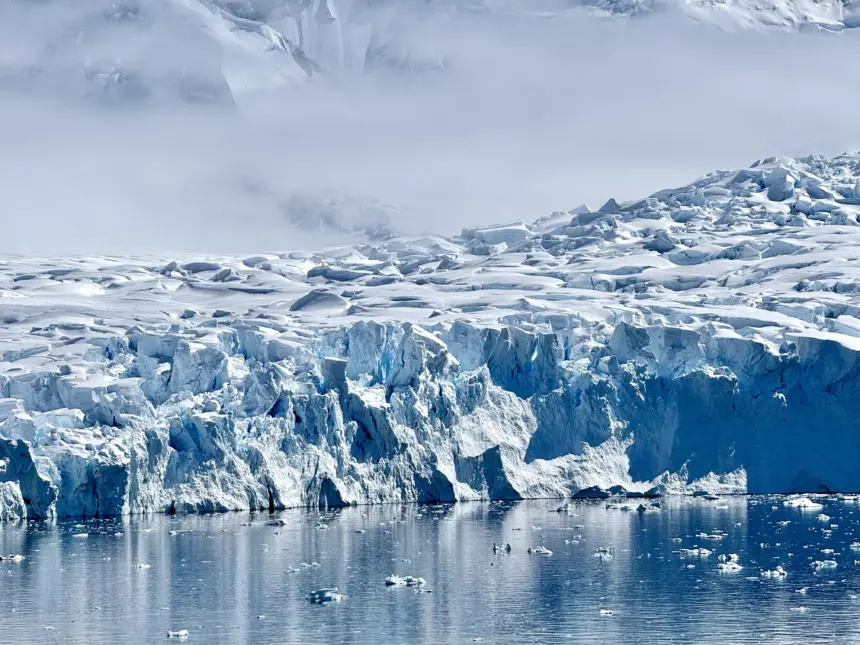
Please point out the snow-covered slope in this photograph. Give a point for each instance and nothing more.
(704, 337)
(782, 15)
(220, 51)
(198, 51)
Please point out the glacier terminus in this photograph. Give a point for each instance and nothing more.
(705, 338)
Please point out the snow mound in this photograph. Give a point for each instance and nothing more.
(705, 339)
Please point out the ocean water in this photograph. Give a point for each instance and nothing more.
(234, 578)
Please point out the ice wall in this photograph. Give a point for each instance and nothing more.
(386, 412)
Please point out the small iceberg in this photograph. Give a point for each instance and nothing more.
(700, 552)
(539, 550)
(603, 553)
(824, 564)
(401, 581)
(731, 557)
(823, 517)
(322, 596)
(14, 559)
(179, 633)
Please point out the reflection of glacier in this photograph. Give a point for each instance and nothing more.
(705, 337)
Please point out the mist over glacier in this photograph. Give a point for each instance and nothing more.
(150, 130)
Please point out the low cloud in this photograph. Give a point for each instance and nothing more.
(499, 116)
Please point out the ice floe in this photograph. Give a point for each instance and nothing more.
(615, 353)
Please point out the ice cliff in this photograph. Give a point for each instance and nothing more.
(703, 338)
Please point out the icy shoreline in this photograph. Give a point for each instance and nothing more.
(704, 338)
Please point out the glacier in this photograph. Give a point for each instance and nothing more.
(121, 52)
(704, 338)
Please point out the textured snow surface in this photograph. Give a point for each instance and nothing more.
(703, 338)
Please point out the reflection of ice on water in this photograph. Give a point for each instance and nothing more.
(214, 576)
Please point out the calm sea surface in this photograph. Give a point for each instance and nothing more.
(235, 578)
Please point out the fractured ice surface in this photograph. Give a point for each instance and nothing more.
(706, 338)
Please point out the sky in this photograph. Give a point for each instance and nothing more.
(526, 115)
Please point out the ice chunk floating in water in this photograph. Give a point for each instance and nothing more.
(803, 503)
(404, 581)
(322, 596)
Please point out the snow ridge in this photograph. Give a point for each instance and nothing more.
(703, 338)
